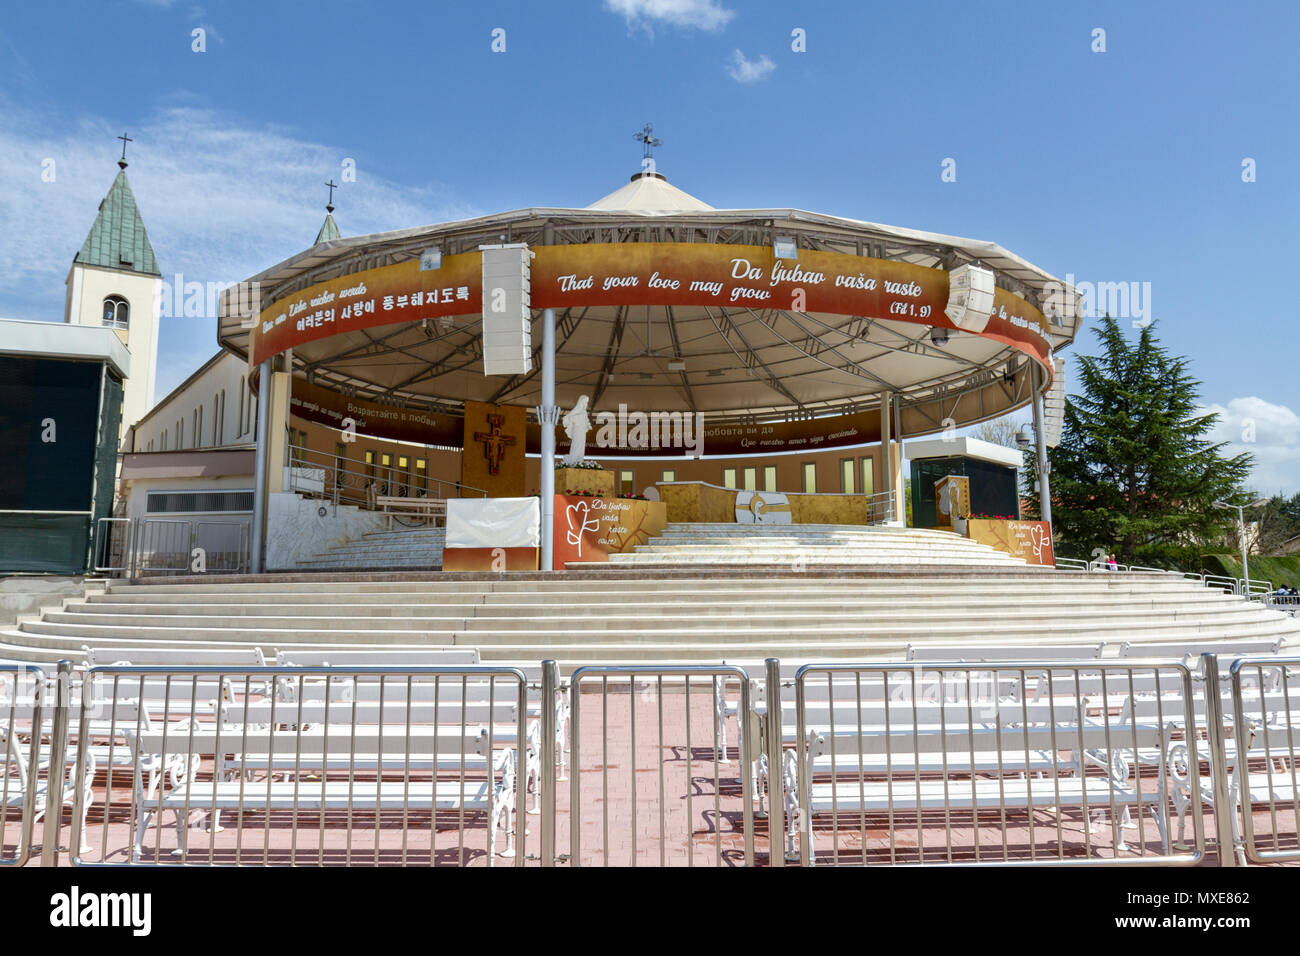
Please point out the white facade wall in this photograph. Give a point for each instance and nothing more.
(213, 410)
(88, 287)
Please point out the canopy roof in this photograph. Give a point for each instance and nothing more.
(742, 363)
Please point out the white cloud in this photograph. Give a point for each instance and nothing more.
(685, 14)
(749, 71)
(222, 200)
(1271, 433)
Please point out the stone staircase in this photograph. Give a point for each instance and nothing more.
(809, 545)
(623, 614)
(416, 548)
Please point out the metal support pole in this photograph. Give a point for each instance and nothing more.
(772, 745)
(260, 467)
(900, 502)
(1040, 440)
(1224, 811)
(886, 458)
(58, 758)
(1241, 527)
(550, 688)
(548, 415)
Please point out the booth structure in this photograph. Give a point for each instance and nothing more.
(652, 328)
(991, 485)
(60, 409)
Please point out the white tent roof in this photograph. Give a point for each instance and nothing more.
(650, 193)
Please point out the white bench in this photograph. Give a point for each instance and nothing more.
(493, 793)
(392, 505)
(985, 653)
(904, 791)
(433, 657)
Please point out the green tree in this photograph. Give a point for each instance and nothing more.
(1134, 474)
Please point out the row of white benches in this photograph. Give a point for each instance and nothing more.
(903, 739)
(297, 733)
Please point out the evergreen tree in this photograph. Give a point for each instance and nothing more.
(1134, 474)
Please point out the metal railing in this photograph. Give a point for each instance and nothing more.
(360, 765)
(1253, 589)
(22, 691)
(352, 481)
(1033, 762)
(880, 507)
(681, 761)
(870, 749)
(130, 547)
(1261, 770)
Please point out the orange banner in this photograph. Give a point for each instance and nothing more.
(1031, 540)
(607, 274)
(591, 529)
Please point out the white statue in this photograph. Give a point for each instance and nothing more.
(576, 425)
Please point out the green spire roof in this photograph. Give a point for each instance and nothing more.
(118, 239)
(329, 229)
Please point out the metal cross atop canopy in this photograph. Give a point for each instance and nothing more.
(329, 207)
(647, 137)
(125, 139)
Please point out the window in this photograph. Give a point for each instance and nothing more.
(403, 476)
(163, 446)
(846, 476)
(626, 482)
(728, 477)
(385, 472)
(751, 479)
(182, 502)
(810, 477)
(219, 426)
(180, 433)
(669, 474)
(117, 312)
(868, 475)
(197, 430)
(421, 474)
(239, 423)
(769, 478)
(297, 446)
(370, 464)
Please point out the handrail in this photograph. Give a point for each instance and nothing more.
(361, 485)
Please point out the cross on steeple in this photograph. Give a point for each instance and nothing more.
(647, 138)
(333, 186)
(125, 139)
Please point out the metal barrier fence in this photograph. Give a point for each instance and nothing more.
(303, 765)
(22, 691)
(692, 768)
(1250, 589)
(1099, 762)
(130, 547)
(1262, 759)
(874, 748)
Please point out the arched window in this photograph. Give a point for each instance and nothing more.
(117, 312)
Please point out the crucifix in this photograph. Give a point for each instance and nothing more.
(125, 139)
(494, 443)
(647, 138)
(333, 186)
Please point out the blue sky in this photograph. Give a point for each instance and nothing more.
(1115, 166)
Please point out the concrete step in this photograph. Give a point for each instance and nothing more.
(684, 620)
(586, 605)
(704, 632)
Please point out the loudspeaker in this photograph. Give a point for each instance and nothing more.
(507, 318)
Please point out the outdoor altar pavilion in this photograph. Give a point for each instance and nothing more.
(781, 329)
